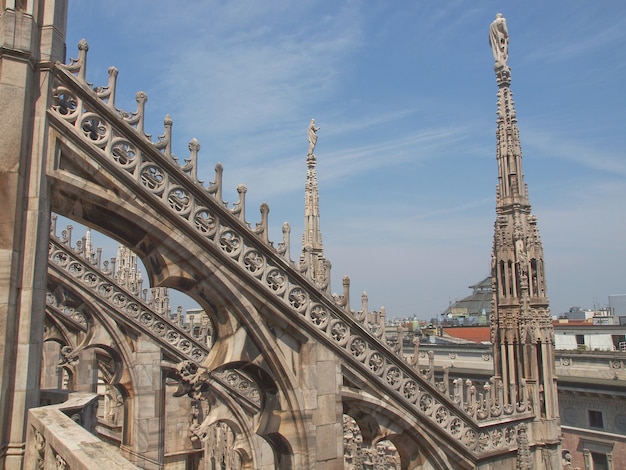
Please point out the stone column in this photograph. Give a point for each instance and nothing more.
(146, 422)
(321, 385)
(86, 379)
(33, 35)
(50, 372)
(587, 457)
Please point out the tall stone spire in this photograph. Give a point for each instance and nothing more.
(312, 259)
(521, 326)
(312, 236)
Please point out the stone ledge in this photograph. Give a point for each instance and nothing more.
(52, 434)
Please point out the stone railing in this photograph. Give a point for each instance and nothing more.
(58, 437)
(478, 418)
(477, 360)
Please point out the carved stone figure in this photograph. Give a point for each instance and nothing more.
(499, 40)
(312, 136)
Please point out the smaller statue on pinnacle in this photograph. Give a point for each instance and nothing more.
(499, 40)
(312, 136)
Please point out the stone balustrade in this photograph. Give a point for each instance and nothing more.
(58, 437)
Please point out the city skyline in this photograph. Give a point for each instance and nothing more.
(405, 98)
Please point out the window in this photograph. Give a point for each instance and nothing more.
(595, 419)
(600, 461)
(580, 341)
(597, 455)
(619, 342)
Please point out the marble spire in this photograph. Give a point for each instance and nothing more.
(521, 325)
(312, 259)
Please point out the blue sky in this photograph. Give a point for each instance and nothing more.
(405, 95)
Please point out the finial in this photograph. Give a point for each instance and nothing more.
(215, 187)
(107, 93)
(261, 228)
(240, 206)
(284, 246)
(194, 145)
(79, 66)
(164, 142)
(191, 164)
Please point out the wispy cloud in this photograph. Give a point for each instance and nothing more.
(590, 37)
(285, 175)
(368, 121)
(567, 147)
(242, 80)
(584, 244)
(414, 147)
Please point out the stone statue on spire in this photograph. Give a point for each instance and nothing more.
(312, 136)
(499, 40)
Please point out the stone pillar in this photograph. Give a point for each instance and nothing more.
(587, 457)
(50, 371)
(321, 385)
(86, 379)
(146, 422)
(33, 35)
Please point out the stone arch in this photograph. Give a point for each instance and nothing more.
(266, 362)
(418, 446)
(256, 431)
(67, 378)
(169, 258)
(223, 419)
(369, 428)
(360, 453)
(175, 254)
(62, 334)
(113, 410)
(105, 329)
(281, 449)
(268, 427)
(236, 308)
(221, 448)
(101, 324)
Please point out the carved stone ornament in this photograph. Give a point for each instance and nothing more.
(40, 447)
(241, 385)
(61, 464)
(68, 356)
(194, 380)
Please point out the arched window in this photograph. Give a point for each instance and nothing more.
(534, 286)
(502, 279)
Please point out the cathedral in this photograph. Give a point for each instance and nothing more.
(274, 371)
